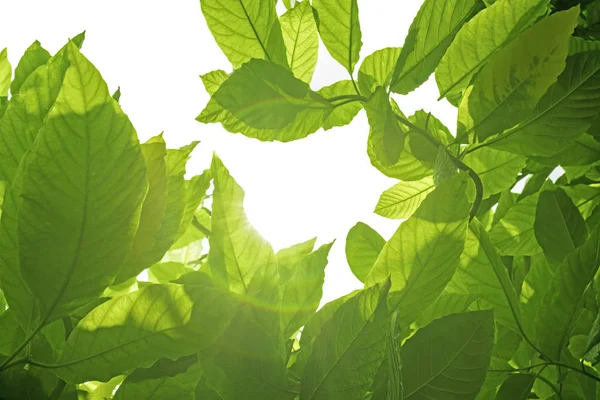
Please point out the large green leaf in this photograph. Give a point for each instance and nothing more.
(351, 345)
(481, 37)
(137, 329)
(34, 57)
(562, 115)
(423, 254)
(430, 34)
(508, 88)
(245, 29)
(236, 249)
(449, 358)
(82, 190)
(301, 40)
(363, 245)
(564, 298)
(559, 227)
(288, 258)
(377, 69)
(339, 28)
(498, 170)
(343, 114)
(401, 200)
(516, 387)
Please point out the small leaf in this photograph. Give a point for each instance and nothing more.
(34, 57)
(5, 73)
(213, 80)
(401, 200)
(301, 40)
(344, 114)
(498, 170)
(516, 387)
(377, 69)
(363, 245)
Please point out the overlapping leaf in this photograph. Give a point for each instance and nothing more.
(301, 40)
(402, 199)
(363, 245)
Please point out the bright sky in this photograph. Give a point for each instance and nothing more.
(155, 50)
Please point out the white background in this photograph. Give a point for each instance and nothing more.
(155, 51)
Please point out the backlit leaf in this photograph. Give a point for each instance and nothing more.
(34, 57)
(344, 114)
(301, 40)
(401, 200)
(363, 245)
(498, 170)
(5, 73)
(377, 69)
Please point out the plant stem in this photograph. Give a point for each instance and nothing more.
(545, 364)
(550, 385)
(346, 97)
(58, 389)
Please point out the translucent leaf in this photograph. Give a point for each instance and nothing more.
(301, 40)
(34, 57)
(339, 28)
(213, 80)
(343, 114)
(363, 245)
(245, 30)
(196, 189)
(430, 34)
(401, 200)
(498, 170)
(377, 69)
(5, 73)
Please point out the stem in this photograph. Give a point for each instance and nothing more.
(567, 366)
(346, 97)
(551, 385)
(7, 363)
(346, 102)
(58, 389)
(355, 85)
(545, 364)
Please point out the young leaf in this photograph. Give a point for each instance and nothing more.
(349, 348)
(430, 34)
(265, 95)
(422, 148)
(564, 298)
(82, 189)
(339, 28)
(343, 114)
(137, 329)
(487, 32)
(498, 170)
(423, 254)
(213, 80)
(245, 30)
(377, 69)
(559, 227)
(5, 73)
(34, 57)
(450, 356)
(516, 387)
(511, 84)
(401, 200)
(363, 245)
(301, 40)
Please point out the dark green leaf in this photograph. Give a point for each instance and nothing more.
(516, 387)
(363, 245)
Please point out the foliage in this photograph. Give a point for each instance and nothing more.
(122, 278)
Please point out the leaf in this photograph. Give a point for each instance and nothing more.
(377, 69)
(424, 252)
(213, 80)
(196, 189)
(11, 334)
(562, 115)
(137, 329)
(83, 185)
(498, 170)
(585, 197)
(422, 148)
(430, 34)
(302, 293)
(508, 88)
(450, 357)
(565, 295)
(349, 348)
(264, 95)
(516, 387)
(401, 200)
(34, 57)
(513, 235)
(5, 73)
(477, 41)
(363, 245)
(559, 227)
(288, 258)
(445, 304)
(386, 137)
(339, 28)
(344, 114)
(301, 40)
(245, 30)
(236, 248)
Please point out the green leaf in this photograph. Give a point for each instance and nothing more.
(559, 227)
(137, 329)
(301, 40)
(236, 249)
(430, 34)
(339, 28)
(516, 387)
(444, 168)
(445, 304)
(196, 189)
(562, 115)
(498, 170)
(85, 168)
(513, 235)
(213, 80)
(34, 57)
(508, 88)
(387, 136)
(11, 334)
(301, 294)
(401, 200)
(363, 245)
(264, 95)
(564, 298)
(424, 252)
(5, 73)
(288, 258)
(377, 69)
(349, 348)
(585, 197)
(344, 114)
(481, 37)
(245, 30)
(449, 357)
